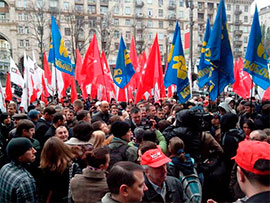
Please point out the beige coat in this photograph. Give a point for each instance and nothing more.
(90, 186)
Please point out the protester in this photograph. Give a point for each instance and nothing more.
(62, 133)
(57, 171)
(103, 114)
(161, 188)
(91, 185)
(16, 183)
(126, 183)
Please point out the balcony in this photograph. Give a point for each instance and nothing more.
(201, 20)
(237, 43)
(210, 11)
(139, 15)
(171, 6)
(104, 2)
(238, 53)
(139, 40)
(139, 3)
(201, 9)
(238, 22)
(140, 26)
(238, 32)
(237, 12)
(172, 16)
(79, 2)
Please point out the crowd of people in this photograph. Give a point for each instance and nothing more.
(96, 151)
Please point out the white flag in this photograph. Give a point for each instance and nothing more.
(15, 75)
(2, 99)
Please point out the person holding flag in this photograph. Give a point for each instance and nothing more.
(176, 72)
(218, 54)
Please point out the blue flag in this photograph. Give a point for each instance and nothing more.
(176, 72)
(203, 68)
(58, 53)
(123, 69)
(256, 58)
(218, 54)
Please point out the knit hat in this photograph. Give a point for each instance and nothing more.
(33, 113)
(119, 128)
(17, 147)
(3, 116)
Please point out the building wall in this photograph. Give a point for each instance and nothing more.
(143, 19)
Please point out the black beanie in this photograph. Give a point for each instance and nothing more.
(3, 116)
(17, 147)
(119, 128)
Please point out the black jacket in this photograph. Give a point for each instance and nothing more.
(192, 139)
(41, 128)
(174, 191)
(101, 117)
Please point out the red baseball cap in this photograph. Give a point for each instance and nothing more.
(154, 158)
(251, 155)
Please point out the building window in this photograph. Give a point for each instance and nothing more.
(20, 30)
(246, 8)
(127, 22)
(149, 1)
(53, 4)
(228, 7)
(27, 44)
(160, 24)
(150, 23)
(116, 34)
(150, 35)
(245, 19)
(66, 6)
(67, 44)
(200, 16)
(26, 30)
(26, 17)
(245, 29)
(181, 14)
(181, 3)
(2, 4)
(78, 7)
(210, 6)
(150, 11)
(160, 2)
(128, 35)
(103, 9)
(67, 31)
(160, 35)
(116, 9)
(92, 9)
(19, 3)
(229, 17)
(92, 22)
(245, 39)
(200, 5)
(116, 21)
(127, 1)
(21, 43)
(26, 3)
(20, 16)
(237, 7)
(160, 12)
(127, 10)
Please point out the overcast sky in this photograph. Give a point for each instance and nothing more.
(260, 4)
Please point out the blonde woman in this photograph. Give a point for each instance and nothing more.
(97, 139)
(57, 170)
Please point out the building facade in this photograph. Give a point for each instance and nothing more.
(25, 25)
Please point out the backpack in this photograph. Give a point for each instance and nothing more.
(191, 186)
(117, 154)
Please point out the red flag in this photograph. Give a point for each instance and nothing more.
(33, 97)
(47, 70)
(243, 82)
(122, 95)
(266, 95)
(67, 81)
(186, 36)
(91, 67)
(153, 76)
(8, 93)
(78, 76)
(133, 54)
(73, 91)
(44, 93)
